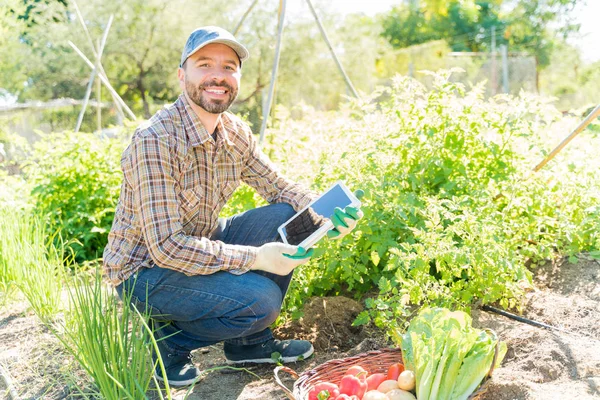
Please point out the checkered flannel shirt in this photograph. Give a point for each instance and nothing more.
(176, 179)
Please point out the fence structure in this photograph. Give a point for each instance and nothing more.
(503, 71)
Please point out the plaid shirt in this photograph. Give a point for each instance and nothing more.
(176, 180)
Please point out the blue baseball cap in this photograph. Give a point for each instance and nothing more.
(212, 34)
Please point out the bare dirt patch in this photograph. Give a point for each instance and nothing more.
(540, 363)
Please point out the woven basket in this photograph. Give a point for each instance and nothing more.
(373, 361)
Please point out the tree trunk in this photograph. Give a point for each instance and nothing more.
(142, 89)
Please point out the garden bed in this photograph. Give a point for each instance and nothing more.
(540, 363)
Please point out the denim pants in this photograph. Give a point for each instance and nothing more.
(189, 312)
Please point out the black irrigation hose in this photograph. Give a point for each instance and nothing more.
(531, 322)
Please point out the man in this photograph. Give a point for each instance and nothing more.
(205, 279)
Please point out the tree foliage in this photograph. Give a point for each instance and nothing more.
(527, 25)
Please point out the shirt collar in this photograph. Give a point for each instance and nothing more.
(193, 127)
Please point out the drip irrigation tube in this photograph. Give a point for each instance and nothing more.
(532, 322)
(10, 391)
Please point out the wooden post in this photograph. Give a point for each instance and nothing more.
(505, 81)
(104, 80)
(117, 100)
(592, 116)
(88, 90)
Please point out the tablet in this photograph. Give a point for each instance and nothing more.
(311, 223)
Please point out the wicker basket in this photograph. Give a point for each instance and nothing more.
(373, 361)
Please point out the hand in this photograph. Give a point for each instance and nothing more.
(280, 258)
(344, 221)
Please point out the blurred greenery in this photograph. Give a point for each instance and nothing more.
(144, 43)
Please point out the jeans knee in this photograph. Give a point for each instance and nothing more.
(284, 211)
(268, 305)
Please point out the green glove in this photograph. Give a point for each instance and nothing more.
(344, 221)
(300, 254)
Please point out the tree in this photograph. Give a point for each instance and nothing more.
(526, 25)
(536, 25)
(464, 24)
(140, 58)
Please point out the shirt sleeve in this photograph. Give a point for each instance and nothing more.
(151, 166)
(260, 173)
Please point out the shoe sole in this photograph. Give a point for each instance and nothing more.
(175, 383)
(272, 361)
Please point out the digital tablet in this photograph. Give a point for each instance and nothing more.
(311, 223)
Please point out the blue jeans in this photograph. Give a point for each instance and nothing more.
(190, 312)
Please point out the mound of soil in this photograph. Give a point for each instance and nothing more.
(562, 363)
(327, 323)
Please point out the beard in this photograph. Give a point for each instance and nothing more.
(211, 106)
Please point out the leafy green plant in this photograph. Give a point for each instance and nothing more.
(453, 216)
(28, 262)
(76, 180)
(112, 343)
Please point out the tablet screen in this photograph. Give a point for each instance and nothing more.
(312, 218)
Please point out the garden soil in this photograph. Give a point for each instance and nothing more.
(540, 363)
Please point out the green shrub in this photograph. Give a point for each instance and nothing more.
(452, 216)
(76, 179)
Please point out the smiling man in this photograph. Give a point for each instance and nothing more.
(205, 279)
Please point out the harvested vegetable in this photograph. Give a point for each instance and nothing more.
(355, 370)
(399, 394)
(406, 380)
(394, 370)
(354, 384)
(449, 357)
(388, 385)
(374, 395)
(374, 380)
(324, 390)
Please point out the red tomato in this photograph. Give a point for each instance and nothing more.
(394, 370)
(373, 381)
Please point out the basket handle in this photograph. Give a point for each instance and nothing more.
(290, 371)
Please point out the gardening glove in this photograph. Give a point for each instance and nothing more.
(280, 258)
(344, 221)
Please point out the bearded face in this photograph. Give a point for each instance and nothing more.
(214, 97)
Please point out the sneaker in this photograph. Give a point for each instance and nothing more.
(272, 351)
(180, 370)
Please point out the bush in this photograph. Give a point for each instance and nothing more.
(76, 179)
(452, 215)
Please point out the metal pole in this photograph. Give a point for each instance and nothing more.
(339, 65)
(267, 109)
(99, 96)
(505, 82)
(88, 90)
(494, 84)
(239, 25)
(105, 81)
(592, 116)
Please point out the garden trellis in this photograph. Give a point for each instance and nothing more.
(282, 4)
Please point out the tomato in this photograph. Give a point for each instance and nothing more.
(373, 381)
(395, 370)
(355, 369)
